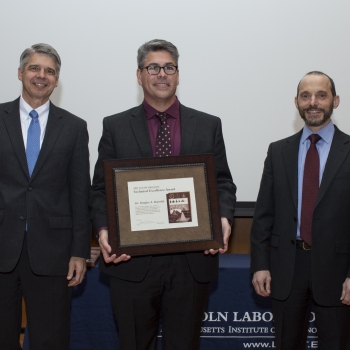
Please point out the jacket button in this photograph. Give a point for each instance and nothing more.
(295, 219)
(22, 217)
(30, 188)
(292, 241)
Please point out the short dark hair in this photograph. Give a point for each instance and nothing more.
(156, 45)
(44, 49)
(315, 72)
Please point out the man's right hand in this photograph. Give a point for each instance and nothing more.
(262, 282)
(106, 249)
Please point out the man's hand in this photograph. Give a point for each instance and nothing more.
(106, 249)
(226, 233)
(345, 295)
(79, 266)
(261, 282)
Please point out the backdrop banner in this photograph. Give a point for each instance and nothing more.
(236, 318)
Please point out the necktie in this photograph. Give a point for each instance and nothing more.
(163, 142)
(310, 189)
(33, 141)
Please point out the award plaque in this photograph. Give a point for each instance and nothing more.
(162, 205)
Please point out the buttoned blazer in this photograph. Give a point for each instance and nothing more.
(274, 228)
(126, 135)
(53, 201)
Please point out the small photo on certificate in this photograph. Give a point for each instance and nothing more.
(162, 204)
(179, 207)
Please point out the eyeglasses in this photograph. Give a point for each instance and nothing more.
(154, 70)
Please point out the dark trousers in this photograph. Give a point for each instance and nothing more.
(168, 292)
(47, 302)
(292, 316)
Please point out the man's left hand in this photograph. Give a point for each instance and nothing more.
(79, 266)
(226, 233)
(345, 295)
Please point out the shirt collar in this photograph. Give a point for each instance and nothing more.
(173, 111)
(326, 133)
(25, 108)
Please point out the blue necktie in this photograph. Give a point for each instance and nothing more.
(33, 141)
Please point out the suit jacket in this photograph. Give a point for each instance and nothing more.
(126, 135)
(53, 201)
(274, 227)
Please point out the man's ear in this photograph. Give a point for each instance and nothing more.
(336, 101)
(138, 75)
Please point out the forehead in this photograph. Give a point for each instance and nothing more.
(315, 82)
(160, 57)
(43, 60)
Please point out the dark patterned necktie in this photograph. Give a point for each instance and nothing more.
(163, 142)
(33, 141)
(310, 189)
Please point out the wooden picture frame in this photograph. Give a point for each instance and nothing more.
(162, 205)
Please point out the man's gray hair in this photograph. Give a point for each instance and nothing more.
(156, 45)
(44, 49)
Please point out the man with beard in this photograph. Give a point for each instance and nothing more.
(301, 229)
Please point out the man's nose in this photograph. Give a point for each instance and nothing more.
(162, 72)
(313, 101)
(41, 73)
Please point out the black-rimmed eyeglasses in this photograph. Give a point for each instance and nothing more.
(154, 69)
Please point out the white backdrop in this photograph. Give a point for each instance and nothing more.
(239, 59)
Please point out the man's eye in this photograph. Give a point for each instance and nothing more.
(33, 68)
(169, 68)
(50, 71)
(153, 67)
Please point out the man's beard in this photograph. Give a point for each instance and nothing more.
(314, 121)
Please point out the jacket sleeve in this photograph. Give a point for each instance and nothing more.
(263, 219)
(225, 186)
(97, 202)
(79, 182)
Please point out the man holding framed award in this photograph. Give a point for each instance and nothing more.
(172, 287)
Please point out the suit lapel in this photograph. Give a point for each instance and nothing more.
(13, 125)
(53, 129)
(139, 126)
(188, 129)
(290, 158)
(339, 150)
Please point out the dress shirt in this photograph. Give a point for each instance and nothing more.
(323, 146)
(173, 121)
(43, 112)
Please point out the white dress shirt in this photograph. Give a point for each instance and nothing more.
(43, 112)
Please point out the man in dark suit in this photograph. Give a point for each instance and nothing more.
(173, 287)
(44, 219)
(301, 228)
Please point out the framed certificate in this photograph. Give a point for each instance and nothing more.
(162, 205)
